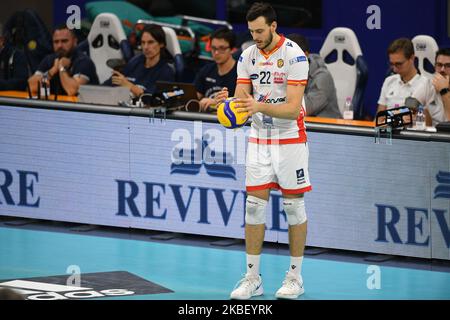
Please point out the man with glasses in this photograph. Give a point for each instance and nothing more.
(221, 74)
(435, 94)
(406, 80)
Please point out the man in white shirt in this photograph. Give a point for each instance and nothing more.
(406, 80)
(435, 94)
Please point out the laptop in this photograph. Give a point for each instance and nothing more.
(103, 94)
(189, 89)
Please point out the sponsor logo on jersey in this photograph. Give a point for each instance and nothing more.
(266, 99)
(210, 79)
(263, 98)
(297, 59)
(278, 77)
(289, 44)
(254, 76)
(280, 63)
(300, 176)
(267, 63)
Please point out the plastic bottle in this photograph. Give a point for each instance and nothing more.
(44, 87)
(348, 109)
(420, 119)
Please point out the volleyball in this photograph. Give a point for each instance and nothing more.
(228, 115)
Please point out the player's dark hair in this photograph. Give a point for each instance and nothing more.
(262, 9)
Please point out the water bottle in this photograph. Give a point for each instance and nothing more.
(420, 119)
(45, 89)
(348, 109)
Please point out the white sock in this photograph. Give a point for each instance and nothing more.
(295, 267)
(253, 264)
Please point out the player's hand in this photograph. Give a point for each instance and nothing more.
(440, 82)
(221, 96)
(248, 105)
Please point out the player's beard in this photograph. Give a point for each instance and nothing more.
(269, 41)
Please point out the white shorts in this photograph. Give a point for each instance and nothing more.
(278, 166)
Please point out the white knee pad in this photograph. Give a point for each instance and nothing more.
(295, 211)
(255, 210)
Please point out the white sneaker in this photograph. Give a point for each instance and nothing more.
(247, 287)
(292, 287)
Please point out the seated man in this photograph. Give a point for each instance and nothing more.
(141, 73)
(13, 66)
(65, 69)
(222, 73)
(406, 80)
(435, 94)
(320, 93)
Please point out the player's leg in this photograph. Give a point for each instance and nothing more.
(255, 220)
(259, 176)
(294, 207)
(292, 173)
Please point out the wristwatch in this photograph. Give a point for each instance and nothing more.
(444, 91)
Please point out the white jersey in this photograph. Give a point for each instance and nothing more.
(270, 74)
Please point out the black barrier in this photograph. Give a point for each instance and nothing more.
(199, 116)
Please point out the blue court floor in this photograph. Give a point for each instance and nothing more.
(201, 272)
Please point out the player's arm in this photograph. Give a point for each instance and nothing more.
(242, 89)
(289, 110)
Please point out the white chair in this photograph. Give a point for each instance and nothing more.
(349, 70)
(173, 47)
(106, 41)
(425, 48)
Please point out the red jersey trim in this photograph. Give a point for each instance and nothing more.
(277, 46)
(274, 185)
(297, 82)
(300, 139)
(243, 80)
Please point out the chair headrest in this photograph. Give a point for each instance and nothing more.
(107, 24)
(425, 48)
(173, 46)
(341, 39)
